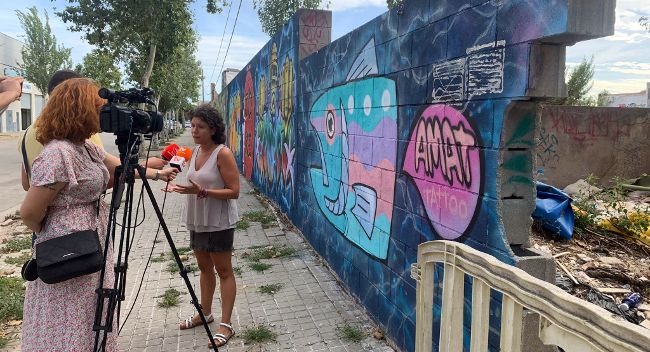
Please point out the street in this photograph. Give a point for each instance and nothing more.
(12, 191)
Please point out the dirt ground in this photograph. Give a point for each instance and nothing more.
(607, 263)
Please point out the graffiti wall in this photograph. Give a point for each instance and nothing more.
(417, 126)
(615, 139)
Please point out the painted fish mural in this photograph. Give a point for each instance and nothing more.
(356, 123)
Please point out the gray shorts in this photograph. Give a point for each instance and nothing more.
(217, 241)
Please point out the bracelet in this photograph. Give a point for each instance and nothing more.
(203, 193)
(157, 177)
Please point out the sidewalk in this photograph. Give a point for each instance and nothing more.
(304, 313)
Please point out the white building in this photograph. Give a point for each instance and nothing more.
(20, 114)
(629, 100)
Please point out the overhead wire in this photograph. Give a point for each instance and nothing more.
(216, 61)
(230, 40)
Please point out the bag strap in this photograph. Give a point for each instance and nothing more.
(24, 152)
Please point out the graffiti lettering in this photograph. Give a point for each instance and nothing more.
(445, 164)
(441, 146)
(547, 148)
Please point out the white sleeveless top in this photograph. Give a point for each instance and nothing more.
(208, 214)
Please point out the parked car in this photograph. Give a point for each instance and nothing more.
(188, 124)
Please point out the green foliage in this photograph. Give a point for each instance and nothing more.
(17, 245)
(580, 83)
(154, 39)
(349, 332)
(12, 292)
(172, 267)
(258, 333)
(393, 3)
(271, 252)
(171, 298)
(588, 214)
(20, 260)
(603, 98)
(270, 289)
(259, 267)
(242, 224)
(42, 56)
(100, 66)
(266, 219)
(273, 14)
(237, 270)
(159, 259)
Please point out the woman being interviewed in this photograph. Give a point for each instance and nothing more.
(68, 178)
(211, 214)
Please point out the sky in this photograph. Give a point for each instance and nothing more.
(622, 61)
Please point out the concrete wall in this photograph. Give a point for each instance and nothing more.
(573, 142)
(418, 125)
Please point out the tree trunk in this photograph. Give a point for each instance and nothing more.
(150, 61)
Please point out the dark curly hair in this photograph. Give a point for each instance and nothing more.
(211, 116)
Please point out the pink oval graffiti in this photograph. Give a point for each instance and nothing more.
(444, 161)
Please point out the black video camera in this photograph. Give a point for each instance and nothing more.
(119, 117)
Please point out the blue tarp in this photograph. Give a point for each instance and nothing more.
(553, 209)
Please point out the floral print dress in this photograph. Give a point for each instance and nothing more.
(60, 317)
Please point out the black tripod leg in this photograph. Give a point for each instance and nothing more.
(179, 262)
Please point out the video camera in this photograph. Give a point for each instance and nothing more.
(119, 117)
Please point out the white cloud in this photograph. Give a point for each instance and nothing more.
(341, 5)
(619, 86)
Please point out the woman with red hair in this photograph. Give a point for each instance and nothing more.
(68, 178)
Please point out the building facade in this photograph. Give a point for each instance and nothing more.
(20, 114)
(629, 100)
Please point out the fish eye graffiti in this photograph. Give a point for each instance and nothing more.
(356, 124)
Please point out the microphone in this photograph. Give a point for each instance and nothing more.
(182, 157)
(169, 151)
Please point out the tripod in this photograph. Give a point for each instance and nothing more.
(108, 299)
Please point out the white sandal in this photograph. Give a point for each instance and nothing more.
(221, 339)
(189, 322)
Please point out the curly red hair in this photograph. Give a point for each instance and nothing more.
(72, 112)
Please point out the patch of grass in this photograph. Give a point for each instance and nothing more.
(242, 224)
(12, 292)
(173, 267)
(17, 245)
(254, 192)
(3, 341)
(267, 220)
(183, 250)
(159, 259)
(258, 334)
(349, 332)
(259, 267)
(171, 298)
(270, 252)
(20, 260)
(237, 271)
(270, 289)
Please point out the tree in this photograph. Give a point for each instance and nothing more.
(580, 83)
(273, 14)
(603, 98)
(41, 54)
(100, 66)
(394, 3)
(131, 30)
(645, 22)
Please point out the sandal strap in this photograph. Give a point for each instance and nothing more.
(189, 323)
(228, 326)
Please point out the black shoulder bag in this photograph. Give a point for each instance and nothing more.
(69, 256)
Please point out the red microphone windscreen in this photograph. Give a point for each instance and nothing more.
(169, 151)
